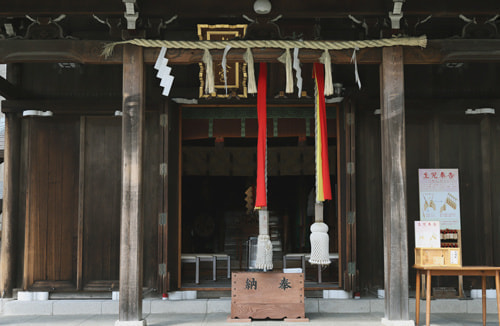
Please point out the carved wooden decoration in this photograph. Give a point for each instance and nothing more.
(235, 71)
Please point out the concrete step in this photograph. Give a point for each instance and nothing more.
(223, 305)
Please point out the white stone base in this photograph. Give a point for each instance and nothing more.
(131, 323)
(387, 322)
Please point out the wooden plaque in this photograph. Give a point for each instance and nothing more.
(261, 295)
(235, 71)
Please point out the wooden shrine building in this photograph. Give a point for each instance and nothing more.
(108, 183)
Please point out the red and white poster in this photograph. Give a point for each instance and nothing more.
(439, 197)
(427, 234)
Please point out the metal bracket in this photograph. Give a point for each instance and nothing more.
(162, 269)
(243, 127)
(396, 14)
(349, 119)
(350, 167)
(162, 218)
(210, 128)
(351, 268)
(163, 120)
(395, 20)
(351, 217)
(130, 14)
(163, 169)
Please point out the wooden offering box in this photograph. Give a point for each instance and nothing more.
(261, 295)
(438, 257)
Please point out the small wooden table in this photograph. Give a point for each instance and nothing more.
(430, 271)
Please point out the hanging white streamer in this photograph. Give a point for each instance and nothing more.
(166, 79)
(298, 70)
(224, 63)
(252, 87)
(326, 60)
(356, 75)
(160, 58)
(286, 58)
(209, 74)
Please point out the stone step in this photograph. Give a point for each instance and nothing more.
(223, 305)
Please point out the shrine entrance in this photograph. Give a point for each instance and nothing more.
(218, 188)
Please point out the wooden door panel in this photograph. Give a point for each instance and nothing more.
(101, 201)
(51, 204)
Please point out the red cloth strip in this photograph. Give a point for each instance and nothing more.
(261, 195)
(319, 74)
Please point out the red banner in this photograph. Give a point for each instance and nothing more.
(261, 195)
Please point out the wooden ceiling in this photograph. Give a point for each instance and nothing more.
(225, 8)
(299, 19)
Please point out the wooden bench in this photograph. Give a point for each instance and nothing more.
(197, 258)
(303, 257)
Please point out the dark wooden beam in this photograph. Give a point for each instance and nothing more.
(221, 8)
(394, 184)
(487, 172)
(71, 106)
(454, 50)
(10, 205)
(131, 238)
(89, 52)
(9, 91)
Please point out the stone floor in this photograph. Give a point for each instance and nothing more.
(183, 319)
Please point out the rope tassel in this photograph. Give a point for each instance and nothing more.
(319, 236)
(319, 239)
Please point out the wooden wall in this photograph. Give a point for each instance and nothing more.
(51, 202)
(438, 135)
(70, 202)
(101, 201)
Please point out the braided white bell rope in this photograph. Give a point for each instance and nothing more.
(319, 244)
(264, 258)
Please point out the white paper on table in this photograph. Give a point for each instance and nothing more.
(453, 257)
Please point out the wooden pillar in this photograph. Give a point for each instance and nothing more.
(487, 189)
(10, 204)
(131, 235)
(394, 184)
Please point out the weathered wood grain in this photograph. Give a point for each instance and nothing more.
(52, 201)
(394, 184)
(131, 231)
(10, 210)
(89, 52)
(267, 295)
(101, 163)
